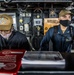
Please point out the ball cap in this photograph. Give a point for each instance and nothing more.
(6, 22)
(64, 12)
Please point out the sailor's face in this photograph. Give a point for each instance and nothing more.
(65, 17)
(5, 32)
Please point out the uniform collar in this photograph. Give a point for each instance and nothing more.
(60, 31)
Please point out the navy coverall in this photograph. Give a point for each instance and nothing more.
(61, 41)
(16, 40)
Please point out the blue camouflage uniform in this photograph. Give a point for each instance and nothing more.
(61, 41)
